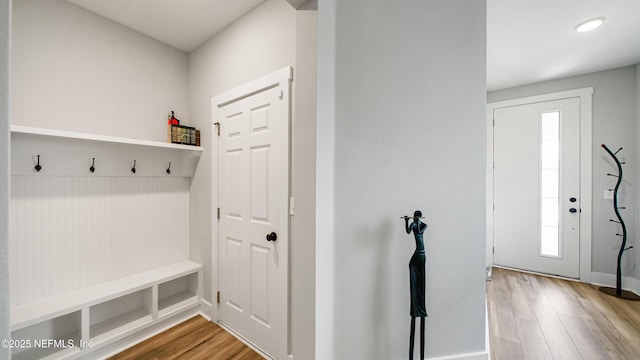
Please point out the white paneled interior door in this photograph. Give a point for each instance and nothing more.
(536, 181)
(253, 195)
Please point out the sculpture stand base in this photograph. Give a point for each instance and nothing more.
(627, 295)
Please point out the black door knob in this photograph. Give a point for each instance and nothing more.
(573, 210)
(272, 237)
(573, 199)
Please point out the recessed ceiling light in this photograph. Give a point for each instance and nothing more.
(590, 24)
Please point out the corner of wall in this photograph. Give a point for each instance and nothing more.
(5, 31)
(303, 187)
(325, 184)
(637, 98)
(310, 5)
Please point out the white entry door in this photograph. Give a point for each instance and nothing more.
(536, 181)
(253, 196)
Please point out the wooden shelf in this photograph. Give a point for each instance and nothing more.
(93, 137)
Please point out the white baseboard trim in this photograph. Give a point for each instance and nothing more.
(206, 309)
(246, 342)
(482, 355)
(628, 283)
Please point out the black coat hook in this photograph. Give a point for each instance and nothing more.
(93, 163)
(38, 167)
(133, 169)
(169, 168)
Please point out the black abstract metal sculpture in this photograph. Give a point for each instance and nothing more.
(618, 292)
(417, 279)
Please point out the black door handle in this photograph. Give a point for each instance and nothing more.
(272, 237)
(573, 210)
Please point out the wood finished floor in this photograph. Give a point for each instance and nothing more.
(196, 338)
(537, 317)
(530, 317)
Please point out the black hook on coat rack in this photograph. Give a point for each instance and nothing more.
(38, 167)
(169, 168)
(93, 167)
(133, 169)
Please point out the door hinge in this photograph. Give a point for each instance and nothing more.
(217, 124)
(493, 250)
(218, 214)
(218, 297)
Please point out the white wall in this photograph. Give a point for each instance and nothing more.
(77, 71)
(74, 70)
(303, 225)
(401, 127)
(5, 29)
(270, 37)
(614, 124)
(637, 251)
(325, 319)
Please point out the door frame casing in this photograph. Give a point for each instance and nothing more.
(281, 78)
(586, 163)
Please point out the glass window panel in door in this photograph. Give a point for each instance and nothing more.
(549, 183)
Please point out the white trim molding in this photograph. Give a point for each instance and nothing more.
(482, 355)
(628, 283)
(282, 76)
(206, 309)
(586, 163)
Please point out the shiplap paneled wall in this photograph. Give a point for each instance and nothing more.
(71, 232)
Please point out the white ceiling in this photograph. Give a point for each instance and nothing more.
(531, 41)
(184, 24)
(527, 41)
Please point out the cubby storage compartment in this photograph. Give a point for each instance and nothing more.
(177, 293)
(59, 336)
(86, 323)
(120, 314)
